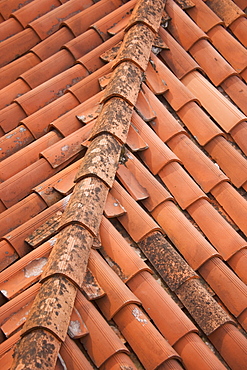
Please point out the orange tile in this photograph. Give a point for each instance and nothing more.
(24, 272)
(242, 4)
(150, 156)
(119, 26)
(222, 110)
(118, 361)
(176, 95)
(26, 156)
(7, 359)
(12, 91)
(181, 185)
(231, 345)
(73, 356)
(152, 295)
(195, 352)
(50, 22)
(176, 57)
(51, 90)
(238, 27)
(117, 294)
(198, 123)
(11, 116)
(80, 22)
(215, 66)
(135, 325)
(11, 71)
(244, 75)
(238, 264)
(119, 254)
(10, 6)
(7, 254)
(236, 89)
(14, 141)
(21, 184)
(9, 343)
(188, 240)
(229, 159)
(136, 221)
(157, 193)
(102, 342)
(17, 45)
(225, 43)
(10, 28)
(90, 285)
(83, 44)
(126, 177)
(170, 364)
(203, 16)
(233, 203)
(228, 11)
(52, 44)
(20, 213)
(28, 13)
(239, 134)
(203, 170)
(234, 295)
(182, 28)
(213, 225)
(38, 122)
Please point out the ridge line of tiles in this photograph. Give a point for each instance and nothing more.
(82, 216)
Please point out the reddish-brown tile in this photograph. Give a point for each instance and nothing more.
(13, 70)
(238, 27)
(49, 23)
(11, 116)
(233, 203)
(176, 57)
(223, 111)
(26, 156)
(229, 159)
(151, 294)
(20, 213)
(242, 4)
(203, 170)
(225, 43)
(203, 16)
(143, 107)
(188, 240)
(17, 45)
(113, 208)
(9, 343)
(231, 345)
(215, 66)
(134, 141)
(141, 223)
(181, 185)
(118, 361)
(234, 294)
(52, 44)
(134, 325)
(79, 23)
(13, 91)
(136, 190)
(73, 356)
(14, 141)
(31, 11)
(238, 264)
(154, 79)
(227, 10)
(10, 6)
(213, 225)
(150, 156)
(83, 44)
(239, 134)
(9, 28)
(242, 319)
(7, 254)
(102, 342)
(236, 89)
(183, 29)
(198, 123)
(119, 254)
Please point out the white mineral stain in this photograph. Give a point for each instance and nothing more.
(5, 293)
(64, 148)
(52, 241)
(137, 314)
(62, 362)
(74, 328)
(35, 267)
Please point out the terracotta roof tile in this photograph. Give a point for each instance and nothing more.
(175, 120)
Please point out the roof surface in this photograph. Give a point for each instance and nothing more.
(123, 184)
